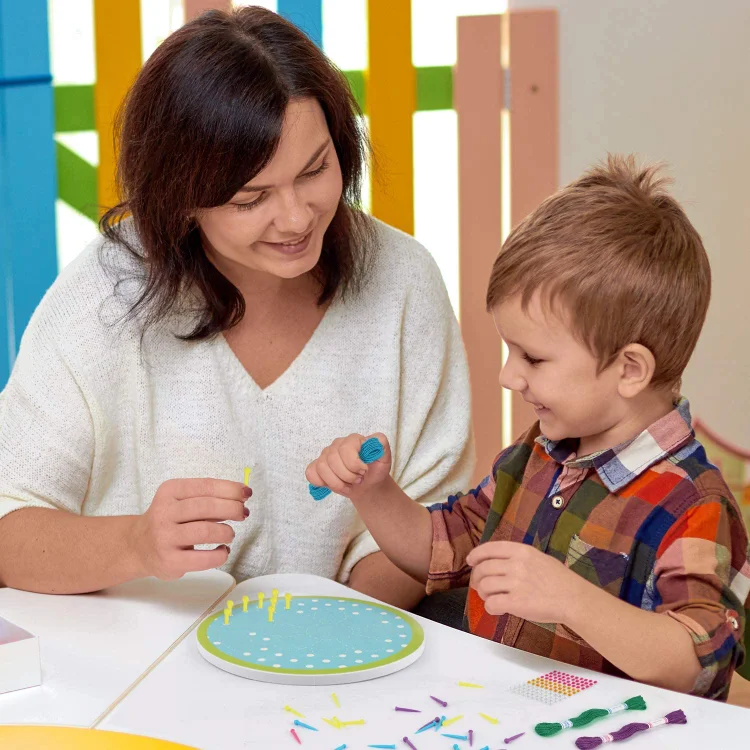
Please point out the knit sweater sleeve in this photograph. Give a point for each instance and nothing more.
(46, 429)
(433, 448)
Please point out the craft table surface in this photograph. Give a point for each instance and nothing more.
(94, 646)
(185, 699)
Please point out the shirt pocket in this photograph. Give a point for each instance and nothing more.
(602, 567)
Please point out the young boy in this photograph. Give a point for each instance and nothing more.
(602, 538)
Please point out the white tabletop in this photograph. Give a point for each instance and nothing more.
(186, 699)
(93, 646)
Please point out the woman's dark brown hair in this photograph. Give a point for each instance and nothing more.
(203, 118)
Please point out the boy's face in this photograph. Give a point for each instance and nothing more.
(556, 374)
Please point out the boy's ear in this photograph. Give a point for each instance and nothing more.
(637, 365)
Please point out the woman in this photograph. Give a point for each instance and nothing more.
(239, 312)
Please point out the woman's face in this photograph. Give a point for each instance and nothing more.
(276, 222)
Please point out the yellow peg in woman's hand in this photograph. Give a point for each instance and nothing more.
(245, 601)
(248, 471)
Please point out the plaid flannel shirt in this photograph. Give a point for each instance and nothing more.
(650, 521)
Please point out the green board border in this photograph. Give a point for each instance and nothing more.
(415, 643)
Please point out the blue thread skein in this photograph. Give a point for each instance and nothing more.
(371, 451)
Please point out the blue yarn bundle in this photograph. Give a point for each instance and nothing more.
(371, 451)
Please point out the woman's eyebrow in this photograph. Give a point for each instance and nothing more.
(259, 188)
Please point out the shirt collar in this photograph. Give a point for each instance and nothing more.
(622, 464)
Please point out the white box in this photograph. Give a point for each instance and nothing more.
(20, 666)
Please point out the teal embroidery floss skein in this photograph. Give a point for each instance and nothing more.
(631, 704)
(371, 451)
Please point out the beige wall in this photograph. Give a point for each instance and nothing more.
(670, 80)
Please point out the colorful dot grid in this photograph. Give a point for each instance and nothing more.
(552, 687)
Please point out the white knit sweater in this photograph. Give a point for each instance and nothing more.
(92, 421)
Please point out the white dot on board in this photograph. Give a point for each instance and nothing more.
(300, 612)
(399, 626)
(358, 661)
(261, 659)
(340, 600)
(389, 640)
(294, 661)
(264, 649)
(355, 613)
(315, 600)
(217, 643)
(277, 665)
(342, 666)
(355, 605)
(341, 609)
(300, 604)
(314, 608)
(369, 609)
(252, 633)
(266, 639)
(342, 656)
(310, 656)
(357, 651)
(326, 661)
(403, 645)
(398, 617)
(374, 656)
(328, 604)
(389, 651)
(402, 636)
(309, 666)
(278, 654)
(246, 653)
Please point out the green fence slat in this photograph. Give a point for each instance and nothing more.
(76, 182)
(74, 108)
(434, 88)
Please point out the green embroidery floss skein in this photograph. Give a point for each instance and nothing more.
(632, 704)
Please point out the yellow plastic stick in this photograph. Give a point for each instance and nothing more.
(230, 606)
(352, 723)
(271, 610)
(248, 471)
(292, 711)
(245, 602)
(288, 598)
(448, 722)
(469, 684)
(335, 723)
(226, 616)
(335, 699)
(491, 719)
(261, 596)
(274, 596)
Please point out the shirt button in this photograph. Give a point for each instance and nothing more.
(558, 502)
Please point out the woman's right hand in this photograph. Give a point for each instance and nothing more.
(183, 513)
(340, 468)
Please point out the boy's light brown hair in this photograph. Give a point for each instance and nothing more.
(616, 254)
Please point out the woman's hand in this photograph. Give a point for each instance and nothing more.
(183, 513)
(340, 468)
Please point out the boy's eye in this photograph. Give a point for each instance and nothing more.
(531, 360)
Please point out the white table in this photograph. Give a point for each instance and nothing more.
(186, 699)
(93, 647)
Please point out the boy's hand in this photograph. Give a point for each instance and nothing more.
(517, 579)
(340, 468)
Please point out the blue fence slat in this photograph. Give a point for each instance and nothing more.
(307, 14)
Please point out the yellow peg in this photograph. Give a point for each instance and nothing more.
(335, 700)
(288, 598)
(271, 610)
(245, 602)
(352, 723)
(248, 471)
(491, 719)
(292, 711)
(261, 596)
(469, 685)
(453, 720)
(226, 616)
(274, 596)
(230, 607)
